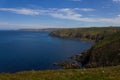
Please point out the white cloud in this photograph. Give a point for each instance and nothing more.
(116, 0)
(71, 15)
(119, 15)
(109, 20)
(64, 13)
(13, 25)
(6, 25)
(23, 11)
(84, 9)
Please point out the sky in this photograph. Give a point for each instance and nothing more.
(16, 14)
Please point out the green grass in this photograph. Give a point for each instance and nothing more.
(91, 31)
(89, 34)
(108, 73)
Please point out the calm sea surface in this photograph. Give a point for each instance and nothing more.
(29, 50)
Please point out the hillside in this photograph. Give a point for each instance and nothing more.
(108, 73)
(91, 34)
(105, 52)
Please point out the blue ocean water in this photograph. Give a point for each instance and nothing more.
(30, 50)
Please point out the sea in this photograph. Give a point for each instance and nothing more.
(36, 50)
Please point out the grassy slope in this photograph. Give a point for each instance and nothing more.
(108, 73)
(91, 34)
(86, 31)
(107, 40)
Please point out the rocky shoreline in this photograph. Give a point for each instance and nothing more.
(103, 53)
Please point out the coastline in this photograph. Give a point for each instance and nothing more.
(86, 58)
(90, 71)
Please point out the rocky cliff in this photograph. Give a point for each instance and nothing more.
(105, 52)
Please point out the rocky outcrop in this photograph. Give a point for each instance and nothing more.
(68, 65)
(105, 55)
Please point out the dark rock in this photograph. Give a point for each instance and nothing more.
(68, 65)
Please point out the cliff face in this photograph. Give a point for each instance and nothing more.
(107, 55)
(105, 52)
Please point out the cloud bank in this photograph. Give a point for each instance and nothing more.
(63, 13)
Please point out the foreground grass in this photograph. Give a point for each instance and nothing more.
(108, 73)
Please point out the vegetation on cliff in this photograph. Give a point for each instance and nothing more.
(92, 34)
(105, 52)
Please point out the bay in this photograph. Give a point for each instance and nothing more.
(32, 50)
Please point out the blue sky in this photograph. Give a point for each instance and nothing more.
(15, 14)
